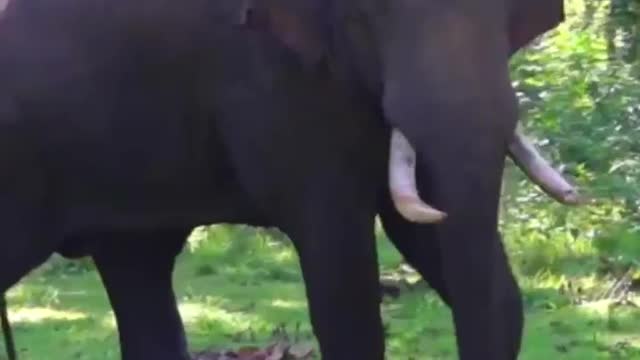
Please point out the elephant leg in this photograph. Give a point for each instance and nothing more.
(136, 270)
(335, 241)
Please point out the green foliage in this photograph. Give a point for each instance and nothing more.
(578, 88)
(238, 306)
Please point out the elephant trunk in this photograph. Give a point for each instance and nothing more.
(454, 68)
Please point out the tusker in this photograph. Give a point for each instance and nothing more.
(404, 192)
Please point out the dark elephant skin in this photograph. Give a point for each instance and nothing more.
(139, 286)
(439, 71)
(123, 126)
(154, 131)
(463, 71)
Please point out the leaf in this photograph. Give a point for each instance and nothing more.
(280, 350)
(301, 351)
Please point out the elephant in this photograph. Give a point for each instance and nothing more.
(439, 73)
(128, 126)
(136, 121)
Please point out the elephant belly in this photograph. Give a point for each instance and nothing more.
(103, 198)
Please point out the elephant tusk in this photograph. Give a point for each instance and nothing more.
(402, 183)
(529, 160)
(404, 192)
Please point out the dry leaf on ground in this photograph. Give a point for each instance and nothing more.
(278, 351)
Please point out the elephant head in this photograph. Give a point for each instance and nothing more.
(456, 52)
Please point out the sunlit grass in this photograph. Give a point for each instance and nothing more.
(40, 315)
(237, 288)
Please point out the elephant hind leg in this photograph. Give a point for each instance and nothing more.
(136, 270)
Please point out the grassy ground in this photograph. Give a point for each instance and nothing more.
(239, 286)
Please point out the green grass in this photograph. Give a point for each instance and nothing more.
(236, 286)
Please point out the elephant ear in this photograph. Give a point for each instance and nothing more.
(532, 18)
(299, 29)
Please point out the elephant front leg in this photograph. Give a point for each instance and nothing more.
(335, 241)
(136, 270)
